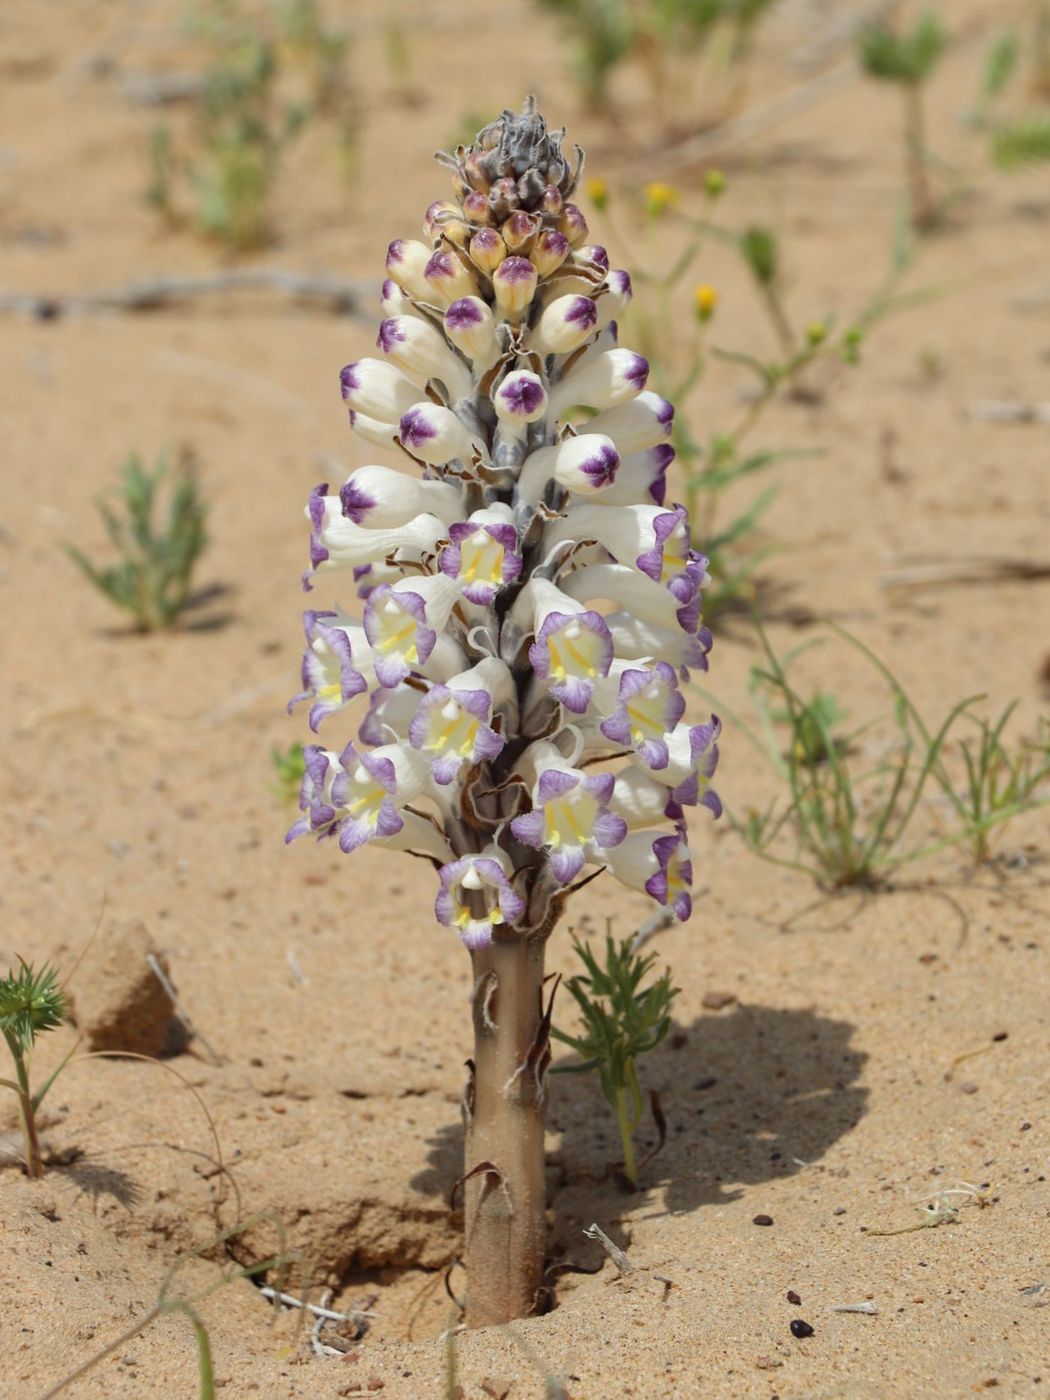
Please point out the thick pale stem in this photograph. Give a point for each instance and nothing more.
(505, 1110)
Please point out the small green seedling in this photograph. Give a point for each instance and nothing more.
(31, 1002)
(908, 59)
(289, 765)
(622, 1020)
(153, 580)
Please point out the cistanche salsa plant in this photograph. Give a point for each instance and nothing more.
(530, 604)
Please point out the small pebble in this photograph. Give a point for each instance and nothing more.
(762, 1220)
(839, 1210)
(968, 1088)
(717, 1001)
(708, 1082)
(793, 1297)
(800, 1329)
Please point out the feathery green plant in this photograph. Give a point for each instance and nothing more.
(621, 1021)
(31, 1002)
(1021, 142)
(908, 59)
(289, 765)
(154, 577)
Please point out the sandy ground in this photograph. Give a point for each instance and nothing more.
(822, 1095)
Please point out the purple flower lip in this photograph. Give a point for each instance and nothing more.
(390, 334)
(487, 238)
(583, 312)
(355, 501)
(663, 456)
(463, 313)
(554, 242)
(638, 372)
(390, 288)
(396, 252)
(348, 379)
(665, 414)
(515, 270)
(620, 282)
(414, 428)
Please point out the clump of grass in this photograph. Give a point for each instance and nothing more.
(908, 58)
(1001, 780)
(153, 580)
(265, 79)
(668, 41)
(622, 1020)
(849, 807)
(31, 1002)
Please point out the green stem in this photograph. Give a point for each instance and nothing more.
(34, 1162)
(630, 1169)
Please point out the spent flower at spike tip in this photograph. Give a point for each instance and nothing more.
(530, 601)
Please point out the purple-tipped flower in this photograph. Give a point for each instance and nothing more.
(659, 864)
(330, 675)
(644, 422)
(482, 554)
(383, 498)
(514, 283)
(337, 543)
(401, 622)
(570, 819)
(471, 327)
(434, 434)
(377, 389)
(585, 465)
(421, 352)
(649, 706)
(476, 896)
(564, 325)
(572, 649)
(549, 252)
(453, 724)
(406, 259)
(448, 277)
(520, 398)
(602, 381)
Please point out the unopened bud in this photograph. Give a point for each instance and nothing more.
(520, 398)
(471, 327)
(591, 255)
(514, 283)
(487, 249)
(659, 198)
(434, 434)
(448, 277)
(714, 183)
(564, 325)
(519, 231)
(443, 219)
(378, 389)
(573, 225)
(406, 259)
(613, 301)
(705, 299)
(553, 201)
(549, 251)
(503, 198)
(476, 207)
(816, 333)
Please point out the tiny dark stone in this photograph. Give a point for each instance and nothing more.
(708, 1082)
(800, 1329)
(793, 1297)
(1025, 1127)
(679, 1039)
(1001, 1035)
(762, 1220)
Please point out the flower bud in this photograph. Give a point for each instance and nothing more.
(444, 219)
(373, 429)
(419, 349)
(614, 298)
(394, 301)
(638, 425)
(520, 398)
(471, 327)
(476, 207)
(714, 183)
(549, 251)
(705, 299)
(488, 250)
(564, 325)
(448, 277)
(503, 198)
(377, 389)
(434, 434)
(585, 464)
(573, 225)
(659, 198)
(406, 259)
(514, 283)
(602, 381)
(591, 255)
(553, 201)
(382, 498)
(519, 231)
